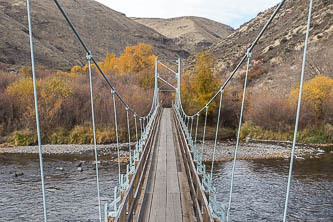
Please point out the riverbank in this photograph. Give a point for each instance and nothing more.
(71, 149)
(224, 150)
(258, 150)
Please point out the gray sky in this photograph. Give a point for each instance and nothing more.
(230, 12)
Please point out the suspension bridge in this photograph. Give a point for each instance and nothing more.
(166, 178)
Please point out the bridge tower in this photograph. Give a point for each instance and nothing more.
(171, 79)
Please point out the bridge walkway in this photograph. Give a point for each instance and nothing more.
(167, 194)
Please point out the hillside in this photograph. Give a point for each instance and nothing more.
(190, 33)
(102, 28)
(276, 60)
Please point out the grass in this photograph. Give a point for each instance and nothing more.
(81, 134)
(321, 135)
(23, 138)
(223, 134)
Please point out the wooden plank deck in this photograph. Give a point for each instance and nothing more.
(167, 193)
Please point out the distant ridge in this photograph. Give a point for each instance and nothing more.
(102, 28)
(189, 32)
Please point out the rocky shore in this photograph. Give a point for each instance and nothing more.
(224, 150)
(257, 150)
(69, 149)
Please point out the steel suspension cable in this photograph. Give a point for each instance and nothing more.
(262, 31)
(143, 125)
(140, 127)
(204, 133)
(40, 151)
(191, 127)
(76, 33)
(216, 135)
(196, 130)
(238, 133)
(94, 133)
(129, 134)
(136, 128)
(116, 130)
(298, 110)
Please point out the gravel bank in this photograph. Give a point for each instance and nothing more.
(69, 149)
(256, 150)
(224, 150)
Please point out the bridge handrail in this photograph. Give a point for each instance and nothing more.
(124, 203)
(206, 210)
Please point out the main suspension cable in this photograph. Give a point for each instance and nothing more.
(242, 59)
(71, 25)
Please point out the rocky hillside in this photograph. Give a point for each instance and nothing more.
(190, 33)
(102, 28)
(276, 60)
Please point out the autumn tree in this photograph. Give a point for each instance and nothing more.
(51, 95)
(204, 82)
(316, 92)
(110, 63)
(76, 69)
(136, 59)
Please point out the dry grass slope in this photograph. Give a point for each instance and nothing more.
(102, 28)
(190, 33)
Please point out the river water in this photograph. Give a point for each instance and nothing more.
(259, 190)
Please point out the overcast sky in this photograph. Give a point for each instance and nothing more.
(230, 12)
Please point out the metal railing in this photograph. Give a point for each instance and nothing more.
(203, 192)
(126, 195)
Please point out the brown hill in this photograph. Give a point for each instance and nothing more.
(102, 28)
(189, 32)
(276, 60)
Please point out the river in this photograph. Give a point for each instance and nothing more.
(259, 190)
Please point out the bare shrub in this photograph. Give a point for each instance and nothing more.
(269, 111)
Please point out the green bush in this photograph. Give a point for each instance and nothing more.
(23, 138)
(105, 136)
(59, 136)
(319, 135)
(81, 135)
(249, 130)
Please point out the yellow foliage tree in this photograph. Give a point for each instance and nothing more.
(315, 92)
(26, 70)
(76, 69)
(137, 58)
(51, 95)
(110, 63)
(190, 100)
(22, 93)
(204, 83)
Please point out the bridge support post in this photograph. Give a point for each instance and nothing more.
(178, 83)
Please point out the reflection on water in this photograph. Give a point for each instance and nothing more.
(260, 187)
(259, 190)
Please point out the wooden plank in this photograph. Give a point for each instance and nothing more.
(148, 187)
(166, 202)
(167, 192)
(193, 179)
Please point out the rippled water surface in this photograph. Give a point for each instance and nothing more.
(259, 190)
(71, 195)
